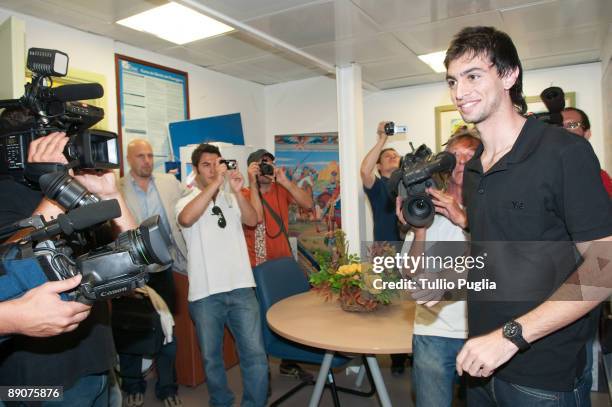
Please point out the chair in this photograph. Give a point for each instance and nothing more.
(278, 279)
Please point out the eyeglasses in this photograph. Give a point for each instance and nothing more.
(218, 212)
(572, 125)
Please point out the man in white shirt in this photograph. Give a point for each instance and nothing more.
(220, 277)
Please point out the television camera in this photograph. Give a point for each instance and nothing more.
(48, 109)
(418, 171)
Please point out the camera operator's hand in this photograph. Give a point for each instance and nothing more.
(101, 183)
(253, 172)
(41, 312)
(236, 180)
(448, 206)
(281, 177)
(48, 149)
(380, 130)
(221, 171)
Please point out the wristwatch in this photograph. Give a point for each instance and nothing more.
(513, 331)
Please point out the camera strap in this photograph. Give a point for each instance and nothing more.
(276, 217)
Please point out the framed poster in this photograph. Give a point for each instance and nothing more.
(448, 119)
(311, 161)
(149, 96)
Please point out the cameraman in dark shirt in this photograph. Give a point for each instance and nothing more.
(77, 360)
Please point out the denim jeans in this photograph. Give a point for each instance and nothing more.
(496, 392)
(133, 380)
(239, 310)
(433, 369)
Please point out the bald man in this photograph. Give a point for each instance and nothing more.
(149, 194)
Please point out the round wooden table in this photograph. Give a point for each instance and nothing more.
(310, 320)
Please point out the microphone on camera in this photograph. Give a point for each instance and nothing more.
(78, 219)
(70, 93)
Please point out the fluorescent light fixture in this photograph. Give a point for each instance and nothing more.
(175, 23)
(435, 60)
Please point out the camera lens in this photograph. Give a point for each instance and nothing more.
(418, 210)
(65, 190)
(147, 244)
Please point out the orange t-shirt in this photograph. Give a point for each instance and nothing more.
(276, 243)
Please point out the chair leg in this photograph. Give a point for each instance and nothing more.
(291, 392)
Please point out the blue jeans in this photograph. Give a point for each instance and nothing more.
(496, 392)
(239, 310)
(433, 369)
(133, 380)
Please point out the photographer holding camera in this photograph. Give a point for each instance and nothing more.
(77, 360)
(271, 193)
(220, 277)
(440, 328)
(386, 228)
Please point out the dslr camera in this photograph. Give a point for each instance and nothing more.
(418, 171)
(49, 109)
(266, 169)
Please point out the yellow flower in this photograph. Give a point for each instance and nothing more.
(348, 269)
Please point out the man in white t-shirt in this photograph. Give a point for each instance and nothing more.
(220, 277)
(440, 328)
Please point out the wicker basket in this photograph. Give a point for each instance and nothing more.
(353, 299)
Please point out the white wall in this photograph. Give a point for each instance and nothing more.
(310, 105)
(210, 93)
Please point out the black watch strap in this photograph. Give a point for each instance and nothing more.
(520, 342)
(513, 331)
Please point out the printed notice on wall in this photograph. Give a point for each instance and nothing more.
(150, 97)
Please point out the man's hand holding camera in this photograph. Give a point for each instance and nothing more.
(447, 205)
(41, 312)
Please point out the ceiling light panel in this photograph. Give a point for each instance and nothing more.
(175, 23)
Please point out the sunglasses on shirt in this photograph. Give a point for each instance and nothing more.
(221, 222)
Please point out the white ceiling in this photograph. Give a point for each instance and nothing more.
(384, 36)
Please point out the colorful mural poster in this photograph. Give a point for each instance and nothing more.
(311, 161)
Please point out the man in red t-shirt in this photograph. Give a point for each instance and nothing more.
(577, 121)
(271, 195)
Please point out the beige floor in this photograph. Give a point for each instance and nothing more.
(398, 388)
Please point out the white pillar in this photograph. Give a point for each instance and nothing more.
(350, 141)
(12, 63)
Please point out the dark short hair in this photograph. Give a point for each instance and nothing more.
(384, 151)
(201, 149)
(584, 119)
(498, 47)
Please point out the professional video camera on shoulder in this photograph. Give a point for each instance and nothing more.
(417, 172)
(56, 109)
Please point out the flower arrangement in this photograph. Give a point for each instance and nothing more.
(344, 275)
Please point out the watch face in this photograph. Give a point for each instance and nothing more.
(511, 329)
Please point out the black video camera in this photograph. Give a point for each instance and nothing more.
(554, 99)
(109, 271)
(46, 110)
(416, 174)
